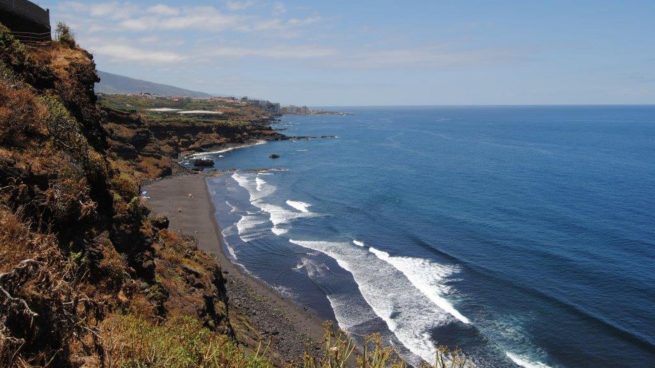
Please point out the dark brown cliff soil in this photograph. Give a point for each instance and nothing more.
(77, 245)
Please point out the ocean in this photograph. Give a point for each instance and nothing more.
(524, 236)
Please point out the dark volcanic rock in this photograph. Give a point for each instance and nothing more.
(203, 162)
(160, 222)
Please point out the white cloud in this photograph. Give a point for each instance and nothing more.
(204, 18)
(161, 9)
(278, 24)
(125, 32)
(279, 8)
(133, 17)
(121, 52)
(239, 5)
(109, 10)
(279, 52)
(424, 57)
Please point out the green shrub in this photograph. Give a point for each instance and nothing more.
(125, 185)
(64, 35)
(11, 50)
(64, 129)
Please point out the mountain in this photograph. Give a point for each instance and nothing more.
(114, 84)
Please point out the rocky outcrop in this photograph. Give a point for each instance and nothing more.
(76, 243)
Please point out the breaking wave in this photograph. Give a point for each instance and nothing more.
(258, 190)
(300, 206)
(407, 312)
(524, 362)
(426, 276)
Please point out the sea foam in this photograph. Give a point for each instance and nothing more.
(300, 206)
(249, 227)
(260, 183)
(524, 362)
(258, 190)
(408, 314)
(233, 208)
(426, 276)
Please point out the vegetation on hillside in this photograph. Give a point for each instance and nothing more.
(76, 243)
(146, 141)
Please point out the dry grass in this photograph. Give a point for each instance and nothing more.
(151, 167)
(58, 58)
(181, 342)
(22, 116)
(126, 185)
(339, 351)
(13, 232)
(120, 132)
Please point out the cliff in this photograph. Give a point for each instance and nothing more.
(80, 257)
(148, 141)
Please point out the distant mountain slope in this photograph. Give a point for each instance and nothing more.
(118, 84)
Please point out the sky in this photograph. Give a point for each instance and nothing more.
(383, 52)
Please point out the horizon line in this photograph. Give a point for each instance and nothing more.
(489, 105)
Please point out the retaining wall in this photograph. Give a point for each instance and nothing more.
(25, 19)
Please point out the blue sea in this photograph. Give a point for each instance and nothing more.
(523, 235)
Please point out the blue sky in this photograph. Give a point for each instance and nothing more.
(380, 52)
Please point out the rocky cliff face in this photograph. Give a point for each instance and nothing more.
(150, 146)
(76, 243)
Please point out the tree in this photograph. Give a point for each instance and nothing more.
(65, 35)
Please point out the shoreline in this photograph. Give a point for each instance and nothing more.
(257, 312)
(224, 149)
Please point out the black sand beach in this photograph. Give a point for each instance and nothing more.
(257, 312)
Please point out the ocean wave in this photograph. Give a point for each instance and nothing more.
(233, 208)
(300, 206)
(249, 227)
(426, 276)
(408, 314)
(348, 314)
(258, 189)
(285, 291)
(524, 362)
(358, 243)
(312, 268)
(230, 250)
(260, 183)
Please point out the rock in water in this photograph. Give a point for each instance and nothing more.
(203, 162)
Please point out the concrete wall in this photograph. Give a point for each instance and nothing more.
(22, 16)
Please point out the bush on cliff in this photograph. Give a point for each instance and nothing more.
(64, 35)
